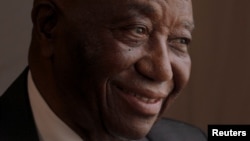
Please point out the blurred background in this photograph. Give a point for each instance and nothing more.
(219, 87)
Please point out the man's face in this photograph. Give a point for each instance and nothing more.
(121, 62)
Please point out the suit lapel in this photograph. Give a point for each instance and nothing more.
(16, 119)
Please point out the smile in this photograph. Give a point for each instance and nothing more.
(140, 97)
(141, 101)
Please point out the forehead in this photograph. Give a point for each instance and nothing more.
(99, 5)
(169, 12)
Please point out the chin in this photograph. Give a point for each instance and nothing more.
(131, 129)
(126, 117)
(129, 136)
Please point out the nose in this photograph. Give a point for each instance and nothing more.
(156, 63)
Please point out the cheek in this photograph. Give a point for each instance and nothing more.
(112, 56)
(181, 70)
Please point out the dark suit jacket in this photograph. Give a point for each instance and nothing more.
(17, 123)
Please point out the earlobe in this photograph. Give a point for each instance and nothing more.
(44, 18)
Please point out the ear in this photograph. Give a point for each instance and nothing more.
(45, 18)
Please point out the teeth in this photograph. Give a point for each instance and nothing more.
(145, 99)
(152, 100)
(141, 98)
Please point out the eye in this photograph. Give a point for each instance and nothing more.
(180, 44)
(133, 35)
(183, 41)
(137, 31)
(140, 30)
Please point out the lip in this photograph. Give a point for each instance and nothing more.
(144, 102)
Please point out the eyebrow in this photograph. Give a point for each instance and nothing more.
(135, 9)
(188, 25)
(142, 8)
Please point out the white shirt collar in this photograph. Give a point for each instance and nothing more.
(50, 127)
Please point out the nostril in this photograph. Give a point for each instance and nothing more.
(154, 69)
(144, 68)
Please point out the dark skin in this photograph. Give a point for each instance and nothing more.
(109, 68)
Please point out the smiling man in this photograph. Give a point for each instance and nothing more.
(102, 70)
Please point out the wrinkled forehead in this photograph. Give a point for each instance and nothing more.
(182, 4)
(105, 9)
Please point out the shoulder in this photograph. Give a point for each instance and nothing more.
(173, 130)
